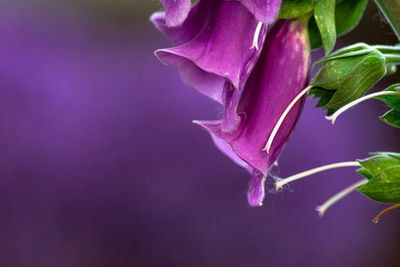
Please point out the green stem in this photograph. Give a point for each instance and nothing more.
(392, 59)
(390, 49)
(391, 10)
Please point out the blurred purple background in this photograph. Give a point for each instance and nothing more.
(100, 164)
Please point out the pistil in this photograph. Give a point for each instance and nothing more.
(283, 116)
(334, 116)
(256, 36)
(304, 174)
(323, 208)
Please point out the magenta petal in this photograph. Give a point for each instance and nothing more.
(176, 11)
(263, 10)
(227, 150)
(279, 76)
(255, 195)
(188, 30)
(222, 48)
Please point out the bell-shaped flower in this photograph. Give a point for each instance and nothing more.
(217, 44)
(281, 73)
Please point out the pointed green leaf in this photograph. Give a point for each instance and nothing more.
(392, 117)
(295, 8)
(384, 187)
(323, 95)
(348, 14)
(379, 162)
(313, 33)
(391, 100)
(324, 14)
(383, 173)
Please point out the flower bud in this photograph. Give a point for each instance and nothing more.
(347, 78)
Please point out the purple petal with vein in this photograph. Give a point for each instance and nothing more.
(221, 50)
(280, 74)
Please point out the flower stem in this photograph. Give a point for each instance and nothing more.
(392, 58)
(283, 116)
(376, 219)
(323, 208)
(334, 116)
(390, 49)
(301, 175)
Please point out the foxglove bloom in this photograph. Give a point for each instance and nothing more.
(216, 43)
(279, 76)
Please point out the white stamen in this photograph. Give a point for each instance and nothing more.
(283, 116)
(256, 36)
(334, 116)
(322, 208)
(300, 175)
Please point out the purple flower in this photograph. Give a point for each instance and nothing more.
(176, 11)
(281, 73)
(215, 45)
(263, 10)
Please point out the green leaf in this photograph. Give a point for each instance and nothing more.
(384, 187)
(383, 173)
(313, 32)
(379, 161)
(391, 100)
(323, 95)
(392, 117)
(324, 14)
(295, 8)
(348, 14)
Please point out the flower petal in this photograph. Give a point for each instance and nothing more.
(188, 30)
(263, 10)
(279, 76)
(221, 49)
(176, 11)
(255, 195)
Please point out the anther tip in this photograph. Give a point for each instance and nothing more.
(320, 211)
(266, 149)
(277, 186)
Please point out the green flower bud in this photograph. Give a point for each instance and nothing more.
(348, 74)
(383, 173)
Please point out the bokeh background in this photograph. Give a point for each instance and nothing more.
(100, 164)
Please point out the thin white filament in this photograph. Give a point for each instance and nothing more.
(334, 116)
(323, 208)
(304, 174)
(282, 118)
(256, 36)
